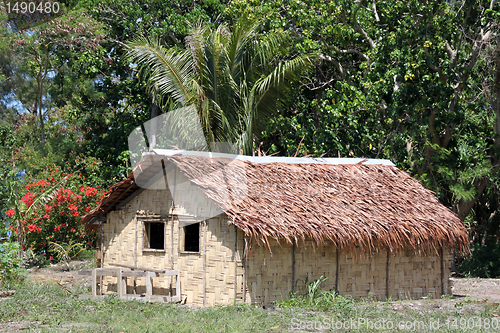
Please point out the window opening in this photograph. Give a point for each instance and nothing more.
(154, 237)
(192, 238)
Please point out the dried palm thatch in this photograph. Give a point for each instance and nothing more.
(370, 206)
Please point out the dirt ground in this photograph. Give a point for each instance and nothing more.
(474, 288)
(63, 274)
(477, 289)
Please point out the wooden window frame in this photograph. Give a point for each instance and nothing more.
(145, 238)
(182, 238)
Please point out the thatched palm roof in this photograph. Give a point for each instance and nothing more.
(373, 206)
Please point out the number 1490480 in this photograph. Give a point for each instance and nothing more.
(25, 7)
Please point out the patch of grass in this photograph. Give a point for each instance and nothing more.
(86, 255)
(47, 307)
(312, 297)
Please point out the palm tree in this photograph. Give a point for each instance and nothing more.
(232, 77)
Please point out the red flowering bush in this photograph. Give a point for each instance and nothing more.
(51, 209)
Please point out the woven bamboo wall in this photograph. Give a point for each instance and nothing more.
(269, 278)
(123, 244)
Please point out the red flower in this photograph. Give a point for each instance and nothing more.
(10, 212)
(46, 216)
(30, 186)
(42, 183)
(90, 191)
(48, 208)
(89, 242)
(72, 207)
(75, 213)
(28, 198)
(51, 257)
(32, 227)
(73, 230)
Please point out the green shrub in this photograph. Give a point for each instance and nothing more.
(311, 296)
(484, 262)
(11, 270)
(50, 209)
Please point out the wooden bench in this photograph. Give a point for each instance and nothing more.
(122, 272)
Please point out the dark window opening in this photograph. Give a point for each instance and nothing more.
(155, 235)
(192, 237)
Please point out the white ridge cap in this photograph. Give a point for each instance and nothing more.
(270, 159)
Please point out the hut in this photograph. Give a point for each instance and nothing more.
(250, 229)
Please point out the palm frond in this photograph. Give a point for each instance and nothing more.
(45, 197)
(168, 72)
(284, 70)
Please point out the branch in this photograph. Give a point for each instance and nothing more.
(357, 28)
(377, 18)
(337, 50)
(442, 77)
(311, 86)
(337, 64)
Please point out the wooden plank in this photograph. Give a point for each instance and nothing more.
(134, 274)
(293, 267)
(119, 284)
(337, 270)
(441, 254)
(387, 276)
(178, 288)
(169, 273)
(94, 287)
(205, 263)
(135, 252)
(245, 269)
(147, 269)
(87, 272)
(172, 207)
(102, 257)
(235, 262)
(105, 271)
(149, 286)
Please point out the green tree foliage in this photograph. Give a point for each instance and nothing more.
(11, 270)
(410, 81)
(230, 75)
(123, 103)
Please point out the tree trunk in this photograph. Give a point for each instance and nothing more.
(40, 111)
(153, 126)
(463, 207)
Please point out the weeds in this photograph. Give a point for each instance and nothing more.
(314, 298)
(11, 271)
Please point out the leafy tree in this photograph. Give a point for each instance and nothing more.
(230, 76)
(400, 80)
(119, 102)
